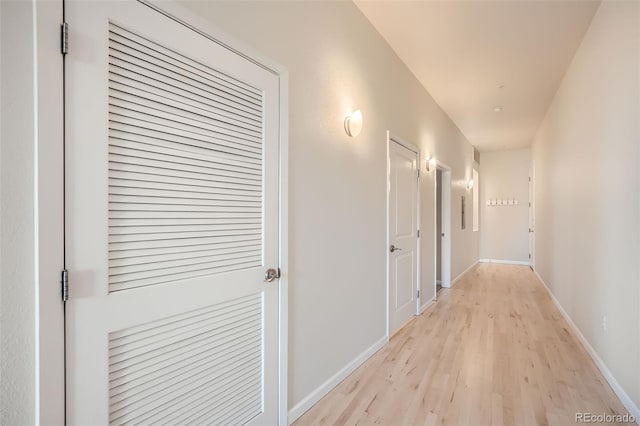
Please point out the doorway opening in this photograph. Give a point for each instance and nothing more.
(438, 230)
(442, 206)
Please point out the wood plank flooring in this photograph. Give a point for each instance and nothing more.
(494, 350)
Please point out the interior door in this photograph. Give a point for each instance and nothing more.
(444, 209)
(532, 220)
(171, 220)
(403, 239)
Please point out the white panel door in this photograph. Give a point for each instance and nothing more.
(532, 220)
(403, 194)
(171, 221)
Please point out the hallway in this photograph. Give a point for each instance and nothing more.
(493, 350)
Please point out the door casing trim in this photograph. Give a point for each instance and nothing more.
(48, 261)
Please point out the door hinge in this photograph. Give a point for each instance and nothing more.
(418, 233)
(418, 173)
(529, 255)
(64, 281)
(418, 296)
(64, 38)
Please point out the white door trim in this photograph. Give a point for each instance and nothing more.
(411, 147)
(283, 411)
(445, 270)
(49, 215)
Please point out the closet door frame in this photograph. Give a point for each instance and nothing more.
(48, 143)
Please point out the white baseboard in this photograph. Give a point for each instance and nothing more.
(624, 398)
(456, 279)
(303, 406)
(426, 305)
(505, 262)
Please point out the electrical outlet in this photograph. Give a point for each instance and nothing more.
(604, 323)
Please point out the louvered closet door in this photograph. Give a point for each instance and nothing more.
(171, 221)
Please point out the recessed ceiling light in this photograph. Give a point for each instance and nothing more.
(498, 108)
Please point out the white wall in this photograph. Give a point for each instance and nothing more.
(337, 62)
(587, 153)
(17, 249)
(31, 312)
(505, 229)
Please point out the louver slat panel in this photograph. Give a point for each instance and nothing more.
(193, 68)
(166, 275)
(204, 365)
(215, 119)
(155, 150)
(171, 245)
(185, 167)
(180, 135)
(156, 68)
(198, 117)
(154, 96)
(148, 69)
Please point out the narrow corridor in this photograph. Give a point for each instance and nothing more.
(494, 350)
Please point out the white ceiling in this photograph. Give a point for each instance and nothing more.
(463, 51)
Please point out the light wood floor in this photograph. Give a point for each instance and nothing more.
(493, 350)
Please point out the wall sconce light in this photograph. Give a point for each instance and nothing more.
(431, 164)
(470, 184)
(353, 123)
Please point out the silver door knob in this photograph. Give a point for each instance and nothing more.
(394, 248)
(271, 275)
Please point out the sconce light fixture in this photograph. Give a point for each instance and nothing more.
(353, 123)
(470, 184)
(431, 164)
